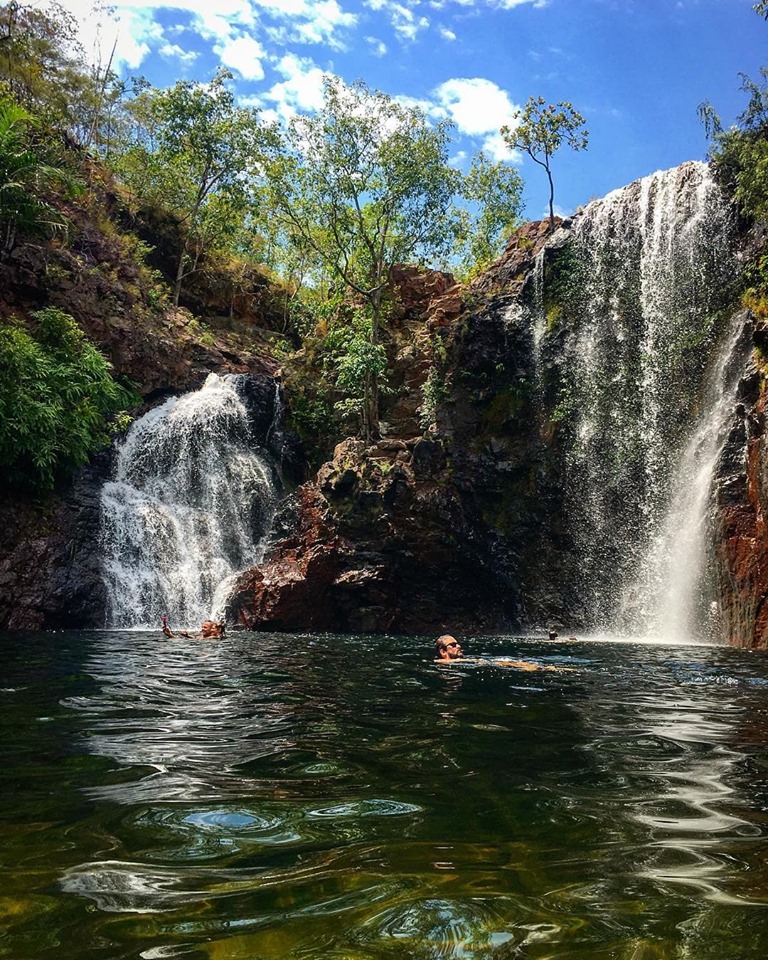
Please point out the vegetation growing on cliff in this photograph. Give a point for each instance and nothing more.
(739, 156)
(366, 183)
(58, 400)
(313, 215)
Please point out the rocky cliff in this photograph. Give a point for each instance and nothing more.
(474, 511)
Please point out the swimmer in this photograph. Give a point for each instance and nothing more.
(447, 649)
(209, 630)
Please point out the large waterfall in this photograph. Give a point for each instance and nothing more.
(190, 504)
(643, 289)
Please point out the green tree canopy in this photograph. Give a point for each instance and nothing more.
(495, 192)
(199, 154)
(366, 183)
(542, 129)
(740, 154)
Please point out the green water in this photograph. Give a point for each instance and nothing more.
(344, 797)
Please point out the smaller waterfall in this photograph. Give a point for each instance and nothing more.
(190, 505)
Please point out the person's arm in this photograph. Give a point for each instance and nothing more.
(179, 633)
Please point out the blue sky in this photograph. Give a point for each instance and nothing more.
(636, 69)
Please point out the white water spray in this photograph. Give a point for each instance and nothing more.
(190, 505)
(673, 595)
(653, 262)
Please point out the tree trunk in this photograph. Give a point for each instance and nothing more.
(551, 200)
(179, 274)
(372, 380)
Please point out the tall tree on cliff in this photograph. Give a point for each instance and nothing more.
(541, 130)
(365, 183)
(198, 154)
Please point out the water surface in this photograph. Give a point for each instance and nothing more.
(273, 796)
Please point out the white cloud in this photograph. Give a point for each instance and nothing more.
(308, 21)
(378, 47)
(498, 4)
(244, 55)
(404, 21)
(172, 51)
(496, 148)
(133, 26)
(476, 105)
(447, 34)
(509, 4)
(302, 89)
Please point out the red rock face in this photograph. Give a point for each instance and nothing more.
(742, 537)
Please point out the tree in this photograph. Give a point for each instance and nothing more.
(43, 67)
(740, 155)
(24, 174)
(495, 192)
(365, 183)
(541, 131)
(198, 154)
(761, 8)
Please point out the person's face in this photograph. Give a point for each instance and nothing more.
(206, 628)
(452, 650)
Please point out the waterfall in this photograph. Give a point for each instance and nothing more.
(190, 505)
(643, 287)
(673, 595)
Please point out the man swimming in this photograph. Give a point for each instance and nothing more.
(209, 630)
(449, 650)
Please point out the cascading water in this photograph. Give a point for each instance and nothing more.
(190, 505)
(673, 593)
(648, 271)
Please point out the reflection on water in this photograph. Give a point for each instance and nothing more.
(275, 797)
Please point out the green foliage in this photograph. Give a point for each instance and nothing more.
(433, 394)
(56, 400)
(357, 362)
(24, 174)
(44, 68)
(563, 281)
(197, 153)
(495, 191)
(540, 132)
(740, 155)
(361, 185)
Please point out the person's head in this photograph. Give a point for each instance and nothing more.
(553, 634)
(209, 629)
(448, 647)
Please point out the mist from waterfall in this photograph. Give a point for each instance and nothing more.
(649, 291)
(190, 505)
(673, 591)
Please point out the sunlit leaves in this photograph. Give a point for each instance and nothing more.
(24, 174)
(197, 153)
(57, 399)
(542, 129)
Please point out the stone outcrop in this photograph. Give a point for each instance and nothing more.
(50, 574)
(741, 513)
(380, 542)
(424, 531)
